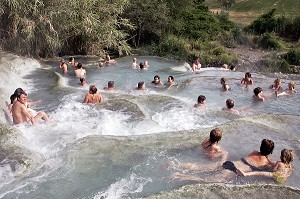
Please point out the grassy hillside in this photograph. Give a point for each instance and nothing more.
(245, 11)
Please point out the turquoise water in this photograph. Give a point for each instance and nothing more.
(120, 148)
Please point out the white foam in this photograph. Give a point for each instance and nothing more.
(13, 69)
(124, 187)
(182, 68)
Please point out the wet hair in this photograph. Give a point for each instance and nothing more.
(62, 61)
(257, 90)
(142, 66)
(248, 75)
(12, 98)
(19, 91)
(215, 136)
(277, 80)
(110, 84)
(171, 77)
(140, 84)
(71, 58)
(93, 89)
(287, 156)
(223, 79)
(156, 76)
(232, 67)
(266, 147)
(201, 98)
(79, 65)
(197, 58)
(229, 103)
(82, 79)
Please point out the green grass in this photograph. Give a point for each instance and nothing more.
(246, 11)
(283, 7)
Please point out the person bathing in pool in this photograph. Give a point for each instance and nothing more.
(255, 161)
(281, 170)
(247, 80)
(156, 81)
(225, 86)
(201, 102)
(171, 82)
(212, 150)
(229, 107)
(289, 91)
(258, 94)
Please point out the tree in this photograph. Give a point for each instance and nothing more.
(150, 18)
(227, 3)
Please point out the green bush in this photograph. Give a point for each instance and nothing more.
(218, 50)
(269, 41)
(228, 59)
(240, 37)
(293, 57)
(285, 67)
(175, 46)
(265, 23)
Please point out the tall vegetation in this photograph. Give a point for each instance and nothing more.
(288, 28)
(44, 27)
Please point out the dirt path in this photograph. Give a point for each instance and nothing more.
(249, 58)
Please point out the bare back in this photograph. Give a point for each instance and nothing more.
(80, 73)
(20, 113)
(93, 98)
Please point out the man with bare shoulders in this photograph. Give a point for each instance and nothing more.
(63, 65)
(80, 71)
(93, 97)
(21, 114)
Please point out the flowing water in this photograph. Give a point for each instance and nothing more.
(121, 147)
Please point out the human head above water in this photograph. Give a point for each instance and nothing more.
(277, 81)
(266, 147)
(232, 67)
(142, 66)
(111, 84)
(156, 77)
(140, 85)
(215, 135)
(223, 80)
(286, 156)
(229, 103)
(257, 90)
(247, 75)
(201, 99)
(79, 65)
(171, 78)
(93, 89)
(291, 85)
